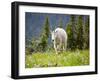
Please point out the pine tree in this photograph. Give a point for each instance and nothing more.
(45, 35)
(73, 25)
(71, 31)
(80, 39)
(46, 27)
(87, 32)
(61, 23)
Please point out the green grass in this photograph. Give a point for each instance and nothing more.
(50, 59)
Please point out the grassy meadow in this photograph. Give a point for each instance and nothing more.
(50, 59)
(40, 33)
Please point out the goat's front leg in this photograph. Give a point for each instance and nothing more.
(55, 47)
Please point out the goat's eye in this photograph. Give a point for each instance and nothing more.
(52, 40)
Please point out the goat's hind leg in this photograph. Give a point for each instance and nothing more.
(64, 46)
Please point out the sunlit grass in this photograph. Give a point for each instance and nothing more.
(50, 59)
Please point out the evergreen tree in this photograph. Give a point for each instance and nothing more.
(46, 27)
(45, 35)
(71, 31)
(73, 25)
(78, 32)
(61, 23)
(80, 39)
(87, 32)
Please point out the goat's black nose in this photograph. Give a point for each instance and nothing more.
(52, 40)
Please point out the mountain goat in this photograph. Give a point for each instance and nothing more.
(59, 38)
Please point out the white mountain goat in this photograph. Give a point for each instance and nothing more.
(59, 38)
